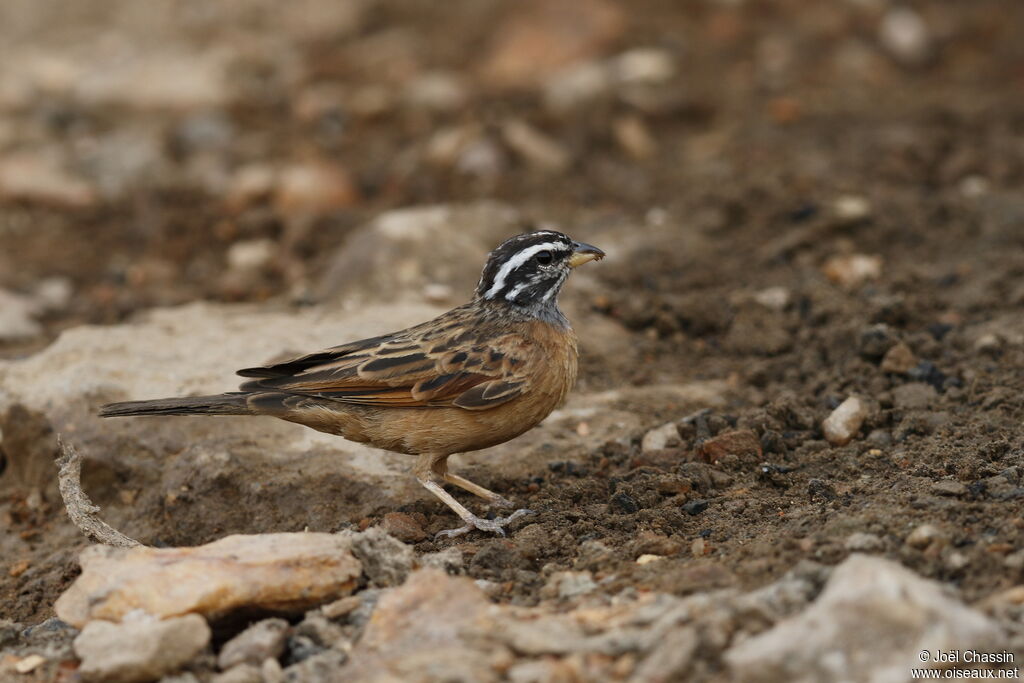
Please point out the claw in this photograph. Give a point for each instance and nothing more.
(493, 525)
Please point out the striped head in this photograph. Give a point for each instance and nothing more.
(528, 270)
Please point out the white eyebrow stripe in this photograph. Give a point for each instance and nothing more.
(514, 262)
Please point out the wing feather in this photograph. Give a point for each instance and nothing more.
(435, 364)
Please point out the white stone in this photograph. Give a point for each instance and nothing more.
(142, 649)
(660, 437)
(841, 426)
(871, 622)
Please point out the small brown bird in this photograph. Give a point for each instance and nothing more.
(476, 376)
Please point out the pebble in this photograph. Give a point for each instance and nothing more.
(845, 421)
(659, 438)
(17, 317)
(53, 293)
(695, 507)
(569, 584)
(872, 617)
(742, 443)
(250, 255)
(644, 65)
(923, 536)
(852, 270)
(948, 487)
(851, 208)
(262, 640)
(634, 137)
(899, 360)
(905, 36)
(141, 648)
(774, 298)
(29, 664)
(647, 559)
(404, 527)
(863, 542)
(1014, 560)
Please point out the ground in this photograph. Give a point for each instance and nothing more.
(808, 203)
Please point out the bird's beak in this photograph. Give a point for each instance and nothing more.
(582, 252)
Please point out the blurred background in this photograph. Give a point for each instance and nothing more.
(801, 202)
(158, 153)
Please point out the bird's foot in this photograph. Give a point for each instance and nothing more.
(496, 525)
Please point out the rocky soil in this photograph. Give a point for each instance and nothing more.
(796, 449)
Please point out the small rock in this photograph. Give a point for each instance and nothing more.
(53, 293)
(695, 507)
(568, 584)
(851, 208)
(773, 298)
(905, 36)
(957, 560)
(450, 560)
(863, 542)
(253, 645)
(623, 503)
(643, 66)
(742, 443)
(914, 396)
(250, 255)
(660, 438)
(852, 270)
(948, 487)
(873, 617)
(386, 561)
(647, 559)
(987, 343)
(537, 148)
(269, 571)
(843, 424)
(404, 527)
(899, 360)
(699, 547)
(17, 317)
(29, 664)
(140, 649)
(923, 536)
(1014, 560)
(314, 188)
(634, 137)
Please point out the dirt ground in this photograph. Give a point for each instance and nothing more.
(783, 145)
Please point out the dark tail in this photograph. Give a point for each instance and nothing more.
(221, 404)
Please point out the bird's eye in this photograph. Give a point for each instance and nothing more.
(543, 257)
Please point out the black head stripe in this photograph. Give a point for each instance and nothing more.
(512, 265)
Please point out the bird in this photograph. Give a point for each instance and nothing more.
(476, 376)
